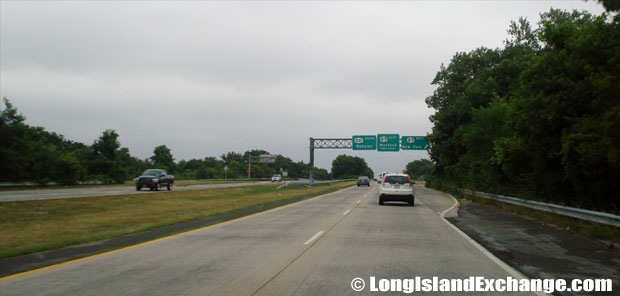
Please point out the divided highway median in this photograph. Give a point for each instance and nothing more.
(39, 225)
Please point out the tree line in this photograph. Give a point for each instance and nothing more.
(538, 118)
(32, 154)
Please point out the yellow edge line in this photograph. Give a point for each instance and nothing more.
(165, 237)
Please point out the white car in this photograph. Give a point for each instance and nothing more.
(381, 177)
(276, 178)
(396, 187)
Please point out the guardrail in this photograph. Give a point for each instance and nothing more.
(594, 216)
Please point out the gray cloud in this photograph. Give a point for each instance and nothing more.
(241, 75)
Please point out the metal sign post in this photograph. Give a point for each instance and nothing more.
(334, 143)
(250, 166)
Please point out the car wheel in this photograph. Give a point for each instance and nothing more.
(411, 203)
(169, 187)
(381, 200)
(138, 188)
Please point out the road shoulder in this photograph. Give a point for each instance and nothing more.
(536, 250)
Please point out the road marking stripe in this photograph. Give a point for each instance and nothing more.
(167, 237)
(346, 212)
(358, 202)
(314, 237)
(456, 202)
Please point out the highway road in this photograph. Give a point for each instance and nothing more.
(315, 247)
(103, 191)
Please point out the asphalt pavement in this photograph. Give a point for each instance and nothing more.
(315, 247)
(18, 195)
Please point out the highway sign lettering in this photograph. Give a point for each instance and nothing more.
(364, 142)
(414, 143)
(388, 142)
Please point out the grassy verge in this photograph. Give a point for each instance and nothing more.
(33, 226)
(589, 229)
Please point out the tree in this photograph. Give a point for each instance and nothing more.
(417, 168)
(162, 158)
(107, 144)
(12, 143)
(348, 167)
(611, 5)
(229, 157)
(102, 163)
(535, 119)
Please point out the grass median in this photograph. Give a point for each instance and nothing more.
(38, 225)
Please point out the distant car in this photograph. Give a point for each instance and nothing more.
(154, 179)
(363, 180)
(396, 187)
(381, 177)
(421, 178)
(276, 178)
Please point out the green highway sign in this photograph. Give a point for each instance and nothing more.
(364, 142)
(414, 143)
(388, 142)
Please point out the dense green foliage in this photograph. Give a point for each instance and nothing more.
(350, 167)
(417, 168)
(32, 154)
(539, 118)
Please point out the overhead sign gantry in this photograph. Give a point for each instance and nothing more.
(380, 142)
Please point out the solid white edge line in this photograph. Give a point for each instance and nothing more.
(456, 202)
(346, 212)
(314, 237)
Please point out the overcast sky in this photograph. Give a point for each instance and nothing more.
(205, 78)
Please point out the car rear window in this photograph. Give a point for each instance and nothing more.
(362, 178)
(396, 180)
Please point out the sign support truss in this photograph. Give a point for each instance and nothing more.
(326, 143)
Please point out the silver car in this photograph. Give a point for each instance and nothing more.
(276, 178)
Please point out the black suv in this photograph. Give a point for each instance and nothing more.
(363, 180)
